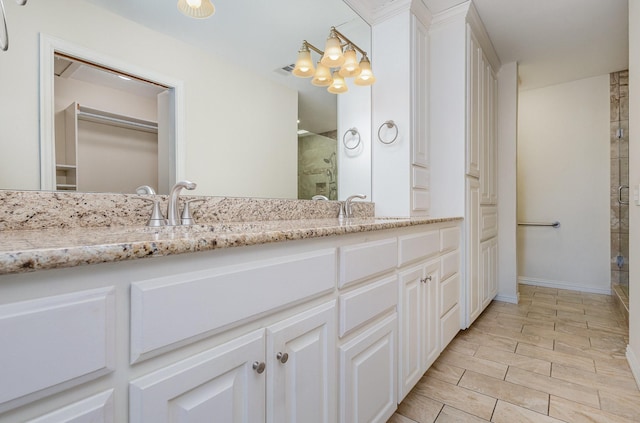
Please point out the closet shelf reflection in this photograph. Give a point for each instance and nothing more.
(100, 116)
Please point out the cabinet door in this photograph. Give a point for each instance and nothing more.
(430, 315)
(473, 104)
(473, 289)
(301, 375)
(217, 385)
(485, 272)
(411, 329)
(419, 93)
(368, 374)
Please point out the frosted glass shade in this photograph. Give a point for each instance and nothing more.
(198, 9)
(366, 75)
(338, 86)
(304, 64)
(350, 66)
(322, 77)
(333, 56)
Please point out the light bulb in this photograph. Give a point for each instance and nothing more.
(338, 86)
(366, 75)
(333, 56)
(304, 64)
(322, 77)
(350, 67)
(194, 3)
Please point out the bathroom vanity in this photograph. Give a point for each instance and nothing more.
(336, 321)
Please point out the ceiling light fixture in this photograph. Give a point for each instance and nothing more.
(198, 9)
(339, 60)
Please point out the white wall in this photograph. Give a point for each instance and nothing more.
(563, 174)
(507, 189)
(633, 351)
(237, 142)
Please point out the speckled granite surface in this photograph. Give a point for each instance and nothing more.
(28, 250)
(53, 230)
(39, 210)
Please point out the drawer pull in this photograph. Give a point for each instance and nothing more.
(428, 278)
(282, 357)
(259, 367)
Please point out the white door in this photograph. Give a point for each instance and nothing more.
(411, 330)
(301, 374)
(219, 385)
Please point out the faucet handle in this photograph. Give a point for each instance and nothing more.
(186, 218)
(156, 219)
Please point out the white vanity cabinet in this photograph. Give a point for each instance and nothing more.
(290, 365)
(333, 329)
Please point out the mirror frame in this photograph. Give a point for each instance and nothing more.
(48, 46)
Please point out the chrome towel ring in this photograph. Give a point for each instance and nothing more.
(4, 34)
(389, 124)
(354, 134)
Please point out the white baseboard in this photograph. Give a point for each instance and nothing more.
(563, 285)
(634, 364)
(513, 299)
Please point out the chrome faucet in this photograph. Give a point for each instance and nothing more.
(145, 190)
(173, 212)
(348, 212)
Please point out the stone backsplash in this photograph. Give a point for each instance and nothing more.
(24, 210)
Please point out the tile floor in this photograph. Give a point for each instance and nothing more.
(557, 356)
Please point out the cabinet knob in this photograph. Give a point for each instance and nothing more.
(282, 357)
(259, 367)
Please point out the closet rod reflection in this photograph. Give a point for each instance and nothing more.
(552, 224)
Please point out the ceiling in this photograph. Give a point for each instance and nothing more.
(553, 41)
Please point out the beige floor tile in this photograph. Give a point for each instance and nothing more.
(520, 337)
(482, 338)
(573, 299)
(463, 399)
(553, 386)
(479, 365)
(615, 343)
(511, 359)
(499, 324)
(445, 372)
(617, 383)
(556, 357)
(419, 408)
(585, 318)
(506, 391)
(573, 412)
(572, 308)
(453, 415)
(540, 308)
(544, 296)
(612, 366)
(589, 352)
(545, 290)
(611, 328)
(461, 346)
(509, 413)
(525, 320)
(398, 418)
(571, 339)
(625, 404)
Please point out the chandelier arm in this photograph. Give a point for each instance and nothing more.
(348, 41)
(312, 47)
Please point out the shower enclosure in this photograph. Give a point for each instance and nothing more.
(619, 94)
(317, 166)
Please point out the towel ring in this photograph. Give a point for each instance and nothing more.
(353, 131)
(388, 124)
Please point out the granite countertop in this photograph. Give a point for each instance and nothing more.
(30, 250)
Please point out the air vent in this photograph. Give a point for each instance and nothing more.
(285, 70)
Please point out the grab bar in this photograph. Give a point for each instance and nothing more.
(555, 224)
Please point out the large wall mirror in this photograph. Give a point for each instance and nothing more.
(247, 127)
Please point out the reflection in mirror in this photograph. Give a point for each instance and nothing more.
(237, 121)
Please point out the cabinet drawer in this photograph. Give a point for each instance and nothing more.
(449, 326)
(170, 310)
(488, 222)
(450, 264)
(360, 306)
(50, 344)
(414, 247)
(449, 293)
(449, 239)
(368, 259)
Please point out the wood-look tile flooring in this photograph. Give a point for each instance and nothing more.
(557, 356)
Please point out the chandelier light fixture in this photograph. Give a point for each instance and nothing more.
(198, 9)
(338, 61)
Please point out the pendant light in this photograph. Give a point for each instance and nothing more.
(338, 86)
(350, 66)
(333, 56)
(366, 75)
(304, 64)
(198, 9)
(322, 77)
